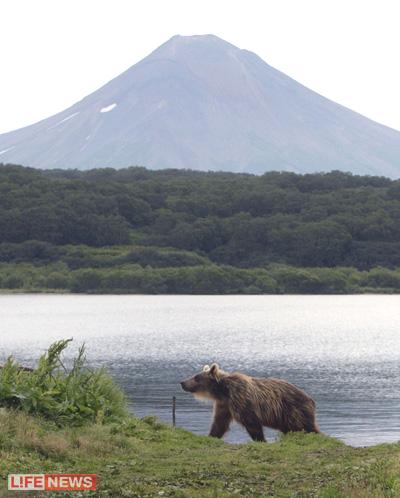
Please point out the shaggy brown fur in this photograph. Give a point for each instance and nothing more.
(253, 402)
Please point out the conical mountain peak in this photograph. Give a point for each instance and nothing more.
(200, 102)
(194, 47)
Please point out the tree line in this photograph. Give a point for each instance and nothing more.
(235, 219)
(106, 219)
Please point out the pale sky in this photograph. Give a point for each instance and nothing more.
(54, 52)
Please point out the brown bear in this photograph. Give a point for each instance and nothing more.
(253, 402)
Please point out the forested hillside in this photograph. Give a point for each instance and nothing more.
(177, 219)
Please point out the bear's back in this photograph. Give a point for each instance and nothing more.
(260, 390)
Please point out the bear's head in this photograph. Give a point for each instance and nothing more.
(206, 384)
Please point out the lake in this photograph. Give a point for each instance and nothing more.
(343, 350)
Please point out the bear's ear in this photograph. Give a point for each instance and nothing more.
(206, 368)
(214, 369)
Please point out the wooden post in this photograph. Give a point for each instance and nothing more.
(173, 410)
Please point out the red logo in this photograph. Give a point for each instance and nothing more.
(52, 482)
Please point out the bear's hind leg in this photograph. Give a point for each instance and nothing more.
(312, 427)
(256, 432)
(253, 427)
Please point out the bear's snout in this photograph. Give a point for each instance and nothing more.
(186, 386)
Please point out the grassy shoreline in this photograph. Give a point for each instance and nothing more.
(144, 458)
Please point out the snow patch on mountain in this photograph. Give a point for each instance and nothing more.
(109, 108)
(6, 150)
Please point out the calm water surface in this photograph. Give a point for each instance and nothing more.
(343, 350)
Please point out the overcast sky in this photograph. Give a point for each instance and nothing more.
(54, 52)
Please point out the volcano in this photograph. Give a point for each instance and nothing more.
(199, 102)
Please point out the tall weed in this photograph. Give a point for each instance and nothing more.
(66, 396)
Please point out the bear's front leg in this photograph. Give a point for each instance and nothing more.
(222, 419)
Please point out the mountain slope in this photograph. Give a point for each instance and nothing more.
(199, 102)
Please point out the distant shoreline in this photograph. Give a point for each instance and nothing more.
(130, 278)
(61, 292)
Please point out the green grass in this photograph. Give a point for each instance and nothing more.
(144, 458)
(73, 420)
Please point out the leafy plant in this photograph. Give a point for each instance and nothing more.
(66, 396)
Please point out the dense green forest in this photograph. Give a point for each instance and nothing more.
(181, 231)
